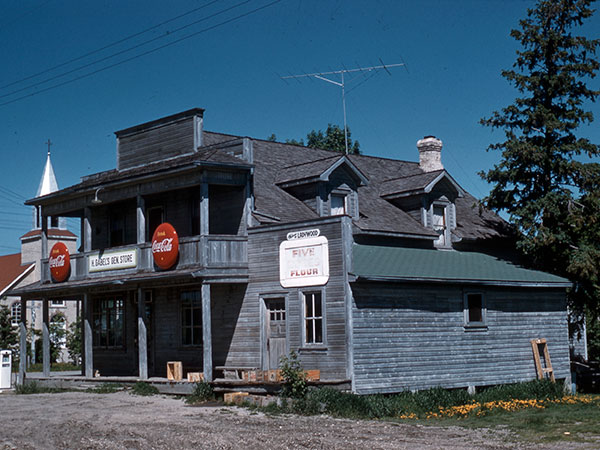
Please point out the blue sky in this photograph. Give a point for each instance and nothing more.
(454, 51)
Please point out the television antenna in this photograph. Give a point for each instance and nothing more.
(342, 83)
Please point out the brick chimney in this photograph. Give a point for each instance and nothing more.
(430, 154)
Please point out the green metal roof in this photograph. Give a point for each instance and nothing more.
(411, 264)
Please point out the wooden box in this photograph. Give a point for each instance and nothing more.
(235, 397)
(312, 375)
(273, 376)
(195, 377)
(174, 371)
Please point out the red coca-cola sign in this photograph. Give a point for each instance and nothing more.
(165, 246)
(59, 262)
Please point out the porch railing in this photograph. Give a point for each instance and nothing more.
(198, 252)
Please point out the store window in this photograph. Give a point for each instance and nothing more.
(109, 322)
(191, 318)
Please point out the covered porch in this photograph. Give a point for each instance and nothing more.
(132, 326)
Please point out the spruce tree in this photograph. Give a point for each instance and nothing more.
(547, 180)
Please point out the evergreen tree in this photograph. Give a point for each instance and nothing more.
(332, 139)
(546, 179)
(9, 337)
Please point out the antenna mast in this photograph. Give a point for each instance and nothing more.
(342, 83)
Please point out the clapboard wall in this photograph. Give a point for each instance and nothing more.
(263, 262)
(412, 337)
(157, 140)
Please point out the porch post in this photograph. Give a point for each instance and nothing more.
(141, 220)
(204, 223)
(87, 229)
(142, 339)
(87, 336)
(45, 338)
(44, 236)
(23, 342)
(206, 333)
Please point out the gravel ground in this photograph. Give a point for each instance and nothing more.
(79, 420)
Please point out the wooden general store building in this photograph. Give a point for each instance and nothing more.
(383, 274)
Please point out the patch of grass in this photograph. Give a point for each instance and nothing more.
(106, 388)
(202, 392)
(34, 388)
(144, 389)
(54, 367)
(560, 420)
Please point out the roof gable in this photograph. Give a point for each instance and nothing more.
(11, 271)
(319, 170)
(418, 184)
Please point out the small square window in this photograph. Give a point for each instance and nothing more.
(474, 310)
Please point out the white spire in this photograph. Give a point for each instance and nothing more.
(48, 182)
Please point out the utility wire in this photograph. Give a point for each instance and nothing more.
(76, 69)
(142, 54)
(9, 192)
(120, 41)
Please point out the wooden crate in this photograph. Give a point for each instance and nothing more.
(273, 376)
(312, 375)
(174, 371)
(195, 377)
(253, 376)
(235, 397)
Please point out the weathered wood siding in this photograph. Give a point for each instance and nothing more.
(263, 262)
(154, 144)
(413, 336)
(167, 332)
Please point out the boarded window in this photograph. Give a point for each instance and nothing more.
(313, 317)
(191, 318)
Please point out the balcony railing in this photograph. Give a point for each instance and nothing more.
(195, 252)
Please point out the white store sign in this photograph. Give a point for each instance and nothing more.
(113, 260)
(304, 262)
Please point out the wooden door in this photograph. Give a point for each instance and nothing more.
(276, 336)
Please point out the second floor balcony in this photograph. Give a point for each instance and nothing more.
(217, 253)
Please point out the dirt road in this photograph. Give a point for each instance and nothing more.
(78, 420)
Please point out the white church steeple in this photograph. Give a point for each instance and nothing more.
(48, 182)
(47, 185)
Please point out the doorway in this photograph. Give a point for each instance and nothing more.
(275, 333)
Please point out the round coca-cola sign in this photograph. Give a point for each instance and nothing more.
(165, 246)
(59, 262)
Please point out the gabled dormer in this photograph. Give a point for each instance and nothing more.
(430, 196)
(328, 186)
